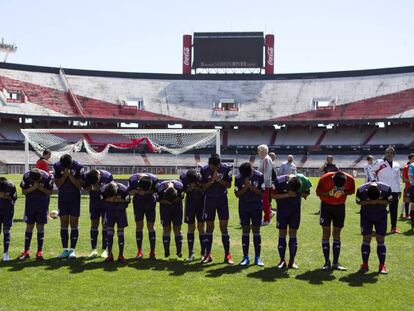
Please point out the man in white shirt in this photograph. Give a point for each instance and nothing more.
(370, 163)
(287, 167)
(388, 171)
(266, 168)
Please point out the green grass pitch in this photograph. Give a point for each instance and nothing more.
(171, 284)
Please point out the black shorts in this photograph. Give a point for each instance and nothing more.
(250, 213)
(6, 217)
(96, 212)
(194, 209)
(144, 207)
(69, 204)
(334, 214)
(116, 217)
(171, 214)
(376, 218)
(213, 204)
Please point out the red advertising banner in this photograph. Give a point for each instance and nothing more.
(269, 54)
(187, 54)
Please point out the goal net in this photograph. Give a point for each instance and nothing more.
(97, 142)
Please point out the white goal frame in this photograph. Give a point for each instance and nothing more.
(142, 132)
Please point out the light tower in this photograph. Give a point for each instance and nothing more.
(7, 49)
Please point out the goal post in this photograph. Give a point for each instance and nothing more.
(97, 142)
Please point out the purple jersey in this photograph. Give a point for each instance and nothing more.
(121, 193)
(257, 181)
(76, 170)
(46, 181)
(385, 194)
(10, 192)
(105, 177)
(163, 185)
(216, 189)
(133, 184)
(281, 187)
(193, 194)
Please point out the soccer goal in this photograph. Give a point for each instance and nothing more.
(97, 142)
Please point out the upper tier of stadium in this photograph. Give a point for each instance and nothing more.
(359, 96)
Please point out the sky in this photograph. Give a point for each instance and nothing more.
(146, 36)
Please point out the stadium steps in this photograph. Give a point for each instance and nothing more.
(321, 137)
(355, 163)
(369, 137)
(73, 100)
(273, 138)
(303, 160)
(225, 138)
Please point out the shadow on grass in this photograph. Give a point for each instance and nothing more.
(409, 232)
(176, 267)
(269, 274)
(227, 269)
(74, 265)
(316, 277)
(358, 279)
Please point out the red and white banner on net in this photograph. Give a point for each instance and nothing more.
(97, 142)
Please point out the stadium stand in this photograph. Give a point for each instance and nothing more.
(10, 131)
(393, 136)
(280, 110)
(278, 98)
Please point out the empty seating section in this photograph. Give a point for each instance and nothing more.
(298, 137)
(248, 137)
(60, 102)
(346, 136)
(357, 97)
(343, 136)
(403, 135)
(10, 132)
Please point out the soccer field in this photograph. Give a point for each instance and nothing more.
(172, 284)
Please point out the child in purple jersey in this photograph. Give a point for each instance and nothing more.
(116, 199)
(94, 180)
(288, 191)
(37, 186)
(8, 197)
(374, 197)
(170, 195)
(216, 179)
(194, 210)
(68, 176)
(143, 187)
(249, 187)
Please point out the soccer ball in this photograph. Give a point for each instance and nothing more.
(54, 214)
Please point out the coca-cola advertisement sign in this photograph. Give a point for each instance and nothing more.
(187, 54)
(270, 56)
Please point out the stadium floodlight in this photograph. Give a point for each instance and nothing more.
(97, 142)
(277, 126)
(7, 48)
